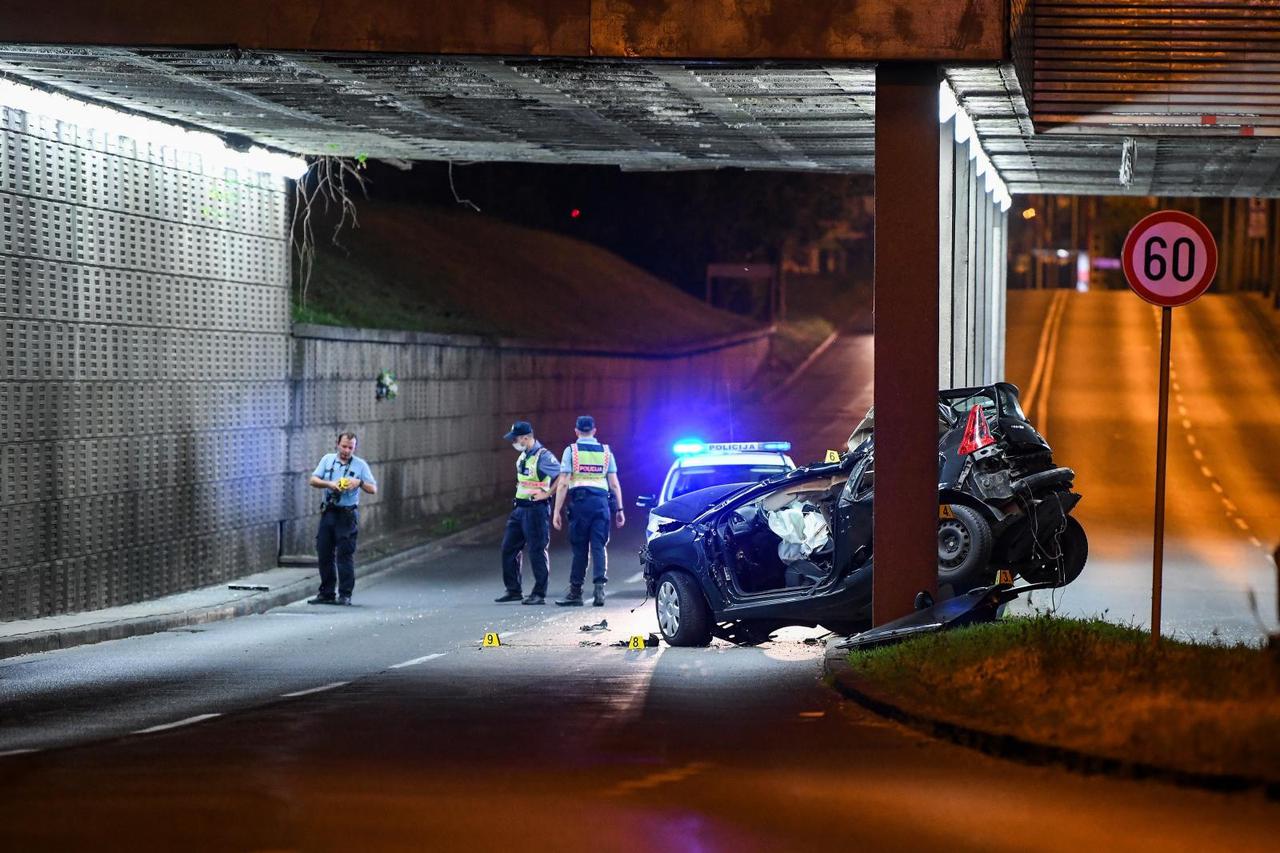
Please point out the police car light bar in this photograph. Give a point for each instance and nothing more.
(692, 446)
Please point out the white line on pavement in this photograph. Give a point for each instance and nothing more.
(636, 578)
(188, 721)
(416, 661)
(322, 687)
(9, 752)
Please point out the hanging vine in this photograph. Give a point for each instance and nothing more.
(325, 182)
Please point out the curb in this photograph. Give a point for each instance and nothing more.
(45, 641)
(1012, 748)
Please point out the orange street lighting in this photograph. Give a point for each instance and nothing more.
(1029, 213)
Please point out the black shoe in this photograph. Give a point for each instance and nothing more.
(344, 600)
(534, 598)
(573, 598)
(322, 599)
(598, 600)
(510, 596)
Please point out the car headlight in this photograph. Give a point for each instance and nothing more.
(655, 521)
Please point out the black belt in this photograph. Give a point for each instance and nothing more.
(336, 508)
(527, 502)
(580, 492)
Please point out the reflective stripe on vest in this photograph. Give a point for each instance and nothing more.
(527, 477)
(589, 467)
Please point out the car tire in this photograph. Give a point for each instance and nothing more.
(964, 550)
(1075, 553)
(683, 616)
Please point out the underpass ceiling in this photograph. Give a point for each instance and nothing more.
(636, 114)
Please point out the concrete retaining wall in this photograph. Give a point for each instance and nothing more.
(438, 446)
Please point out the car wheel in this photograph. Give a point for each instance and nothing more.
(683, 616)
(1075, 552)
(964, 549)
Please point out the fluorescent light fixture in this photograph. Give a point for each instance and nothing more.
(147, 131)
(950, 109)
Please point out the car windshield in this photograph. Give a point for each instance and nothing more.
(693, 478)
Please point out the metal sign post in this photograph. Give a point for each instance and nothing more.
(1169, 259)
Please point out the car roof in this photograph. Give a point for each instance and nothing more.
(729, 460)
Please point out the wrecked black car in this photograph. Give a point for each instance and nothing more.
(741, 562)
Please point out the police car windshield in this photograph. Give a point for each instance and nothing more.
(694, 478)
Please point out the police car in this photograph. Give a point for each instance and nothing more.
(702, 465)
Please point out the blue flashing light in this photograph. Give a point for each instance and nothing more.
(697, 447)
(779, 446)
(688, 447)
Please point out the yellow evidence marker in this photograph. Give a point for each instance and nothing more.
(637, 642)
(1004, 576)
(832, 456)
(491, 640)
(944, 511)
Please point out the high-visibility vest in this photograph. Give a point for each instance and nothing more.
(589, 466)
(527, 476)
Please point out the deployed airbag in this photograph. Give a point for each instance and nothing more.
(801, 532)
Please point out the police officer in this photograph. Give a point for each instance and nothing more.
(590, 483)
(530, 520)
(343, 476)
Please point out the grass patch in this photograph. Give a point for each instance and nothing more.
(1095, 687)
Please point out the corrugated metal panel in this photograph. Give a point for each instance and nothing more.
(1198, 67)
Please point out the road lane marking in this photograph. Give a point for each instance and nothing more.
(9, 752)
(1191, 439)
(1037, 371)
(1242, 524)
(1229, 505)
(1186, 424)
(166, 726)
(654, 780)
(1217, 487)
(636, 578)
(1198, 455)
(321, 688)
(1257, 543)
(1204, 469)
(417, 661)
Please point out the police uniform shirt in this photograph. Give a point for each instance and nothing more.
(548, 468)
(331, 468)
(566, 462)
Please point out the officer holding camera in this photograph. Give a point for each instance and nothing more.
(343, 476)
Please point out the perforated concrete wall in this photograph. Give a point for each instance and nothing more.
(145, 312)
(438, 446)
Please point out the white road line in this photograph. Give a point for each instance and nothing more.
(1257, 543)
(165, 726)
(1242, 524)
(9, 752)
(1182, 410)
(1229, 505)
(417, 661)
(319, 689)
(1217, 487)
(1191, 439)
(1198, 455)
(1037, 371)
(1051, 359)
(636, 578)
(1204, 469)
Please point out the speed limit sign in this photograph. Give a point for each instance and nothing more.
(1169, 258)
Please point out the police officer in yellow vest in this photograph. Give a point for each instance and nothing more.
(529, 523)
(590, 483)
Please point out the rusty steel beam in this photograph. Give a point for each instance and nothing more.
(969, 30)
(907, 268)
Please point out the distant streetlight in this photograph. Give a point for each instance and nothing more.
(1029, 213)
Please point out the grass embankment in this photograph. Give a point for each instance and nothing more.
(453, 271)
(1093, 687)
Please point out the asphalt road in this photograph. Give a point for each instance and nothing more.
(387, 726)
(1088, 367)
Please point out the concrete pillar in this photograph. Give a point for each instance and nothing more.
(906, 336)
(946, 250)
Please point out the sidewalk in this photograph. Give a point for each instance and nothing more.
(208, 604)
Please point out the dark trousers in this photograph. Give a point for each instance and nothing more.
(336, 548)
(527, 525)
(589, 519)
